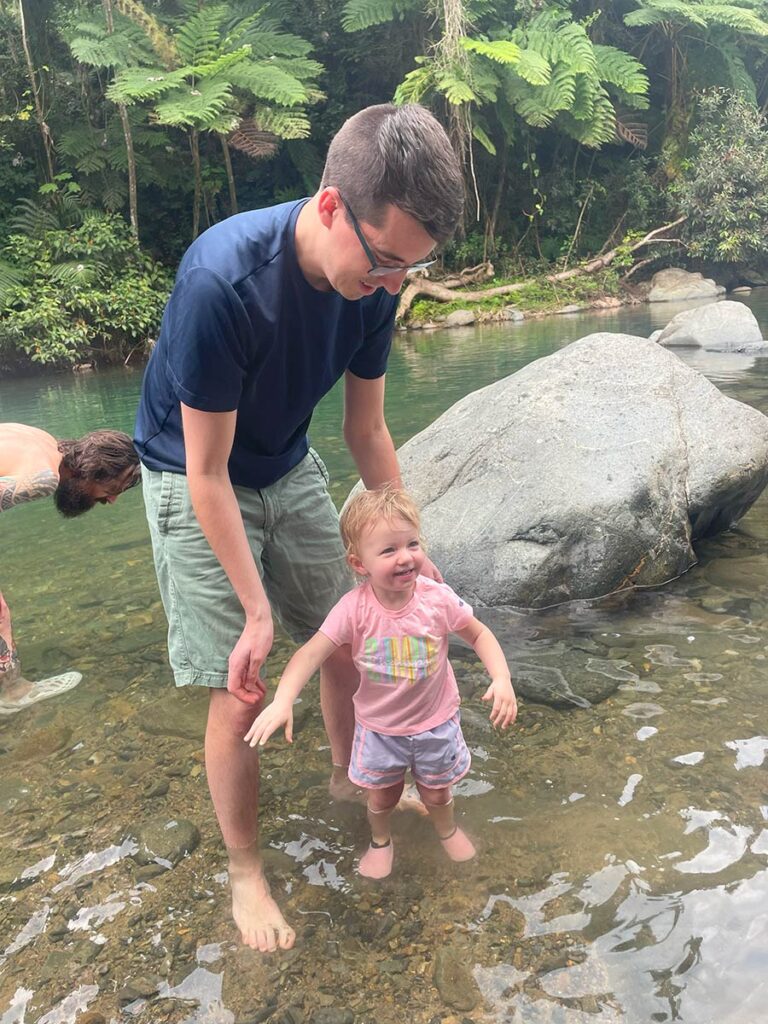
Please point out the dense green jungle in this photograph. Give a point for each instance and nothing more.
(600, 142)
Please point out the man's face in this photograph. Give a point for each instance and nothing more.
(76, 495)
(397, 242)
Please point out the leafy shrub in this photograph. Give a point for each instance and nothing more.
(76, 290)
(723, 188)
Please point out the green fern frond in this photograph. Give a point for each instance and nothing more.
(600, 128)
(302, 68)
(269, 83)
(361, 14)
(535, 69)
(76, 273)
(560, 93)
(558, 39)
(587, 92)
(621, 69)
(307, 160)
(500, 50)
(31, 219)
(484, 139)
(286, 124)
(198, 40)
(653, 12)
(736, 18)
(455, 89)
(270, 44)
(132, 85)
(10, 279)
(416, 85)
(198, 105)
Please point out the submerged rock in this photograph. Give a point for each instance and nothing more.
(453, 979)
(586, 472)
(165, 841)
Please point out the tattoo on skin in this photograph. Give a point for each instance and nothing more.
(17, 490)
(9, 659)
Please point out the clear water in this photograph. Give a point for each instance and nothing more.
(623, 873)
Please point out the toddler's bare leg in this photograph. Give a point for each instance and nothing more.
(376, 862)
(439, 804)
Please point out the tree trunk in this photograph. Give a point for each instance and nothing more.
(230, 174)
(45, 132)
(194, 145)
(133, 204)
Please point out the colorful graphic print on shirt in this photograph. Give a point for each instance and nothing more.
(397, 660)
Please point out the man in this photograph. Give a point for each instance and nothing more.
(97, 468)
(270, 308)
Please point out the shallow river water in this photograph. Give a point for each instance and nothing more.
(623, 867)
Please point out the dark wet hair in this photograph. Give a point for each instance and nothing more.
(101, 455)
(400, 156)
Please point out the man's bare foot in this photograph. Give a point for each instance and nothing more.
(13, 691)
(343, 790)
(256, 914)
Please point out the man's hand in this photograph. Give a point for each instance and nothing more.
(504, 710)
(430, 570)
(250, 652)
(278, 713)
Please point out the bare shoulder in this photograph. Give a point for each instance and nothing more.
(26, 450)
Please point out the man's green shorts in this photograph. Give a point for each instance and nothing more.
(293, 530)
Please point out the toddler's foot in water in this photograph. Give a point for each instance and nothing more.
(376, 862)
(458, 845)
(261, 924)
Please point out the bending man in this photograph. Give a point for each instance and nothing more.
(269, 309)
(97, 468)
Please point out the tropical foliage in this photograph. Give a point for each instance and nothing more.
(577, 122)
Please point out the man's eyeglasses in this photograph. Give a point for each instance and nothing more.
(377, 269)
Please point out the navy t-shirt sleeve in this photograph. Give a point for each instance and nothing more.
(370, 361)
(208, 341)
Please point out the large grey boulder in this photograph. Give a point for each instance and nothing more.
(674, 284)
(585, 472)
(718, 327)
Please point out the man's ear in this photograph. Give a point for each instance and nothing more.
(327, 205)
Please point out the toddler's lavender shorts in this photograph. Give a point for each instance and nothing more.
(437, 758)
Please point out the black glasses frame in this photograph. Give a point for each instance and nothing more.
(377, 269)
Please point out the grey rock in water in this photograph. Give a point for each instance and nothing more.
(460, 318)
(718, 327)
(586, 472)
(571, 308)
(453, 979)
(165, 841)
(674, 284)
(176, 715)
(332, 1015)
(513, 314)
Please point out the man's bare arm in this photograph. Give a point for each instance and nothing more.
(16, 490)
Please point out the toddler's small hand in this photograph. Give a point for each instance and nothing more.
(270, 719)
(504, 710)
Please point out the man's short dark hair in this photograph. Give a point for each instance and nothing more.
(100, 456)
(400, 155)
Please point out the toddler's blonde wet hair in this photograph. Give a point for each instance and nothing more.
(366, 508)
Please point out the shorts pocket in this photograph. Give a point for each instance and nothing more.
(320, 466)
(171, 500)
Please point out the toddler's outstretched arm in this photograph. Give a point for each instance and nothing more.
(488, 650)
(299, 670)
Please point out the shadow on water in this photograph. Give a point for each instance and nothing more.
(622, 873)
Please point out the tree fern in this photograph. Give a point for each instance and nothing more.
(200, 104)
(738, 17)
(361, 14)
(268, 82)
(503, 51)
(198, 39)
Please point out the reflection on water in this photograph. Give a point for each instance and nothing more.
(623, 872)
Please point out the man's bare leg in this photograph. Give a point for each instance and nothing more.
(12, 684)
(339, 680)
(233, 779)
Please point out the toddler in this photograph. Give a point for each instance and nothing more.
(407, 705)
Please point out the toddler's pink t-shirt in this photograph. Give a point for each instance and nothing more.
(407, 684)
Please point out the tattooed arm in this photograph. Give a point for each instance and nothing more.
(15, 490)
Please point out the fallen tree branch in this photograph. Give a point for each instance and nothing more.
(446, 291)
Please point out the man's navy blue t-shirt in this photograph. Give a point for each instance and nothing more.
(244, 330)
